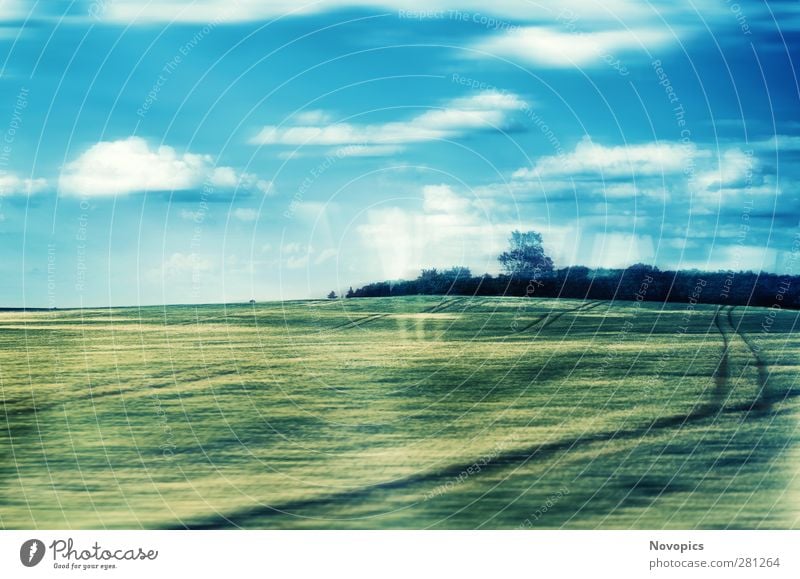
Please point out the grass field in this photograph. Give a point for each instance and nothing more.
(419, 412)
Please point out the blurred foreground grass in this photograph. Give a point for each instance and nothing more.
(400, 413)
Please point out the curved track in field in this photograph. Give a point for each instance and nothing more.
(550, 318)
(515, 458)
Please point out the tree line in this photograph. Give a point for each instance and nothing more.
(529, 272)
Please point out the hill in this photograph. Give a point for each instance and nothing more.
(412, 412)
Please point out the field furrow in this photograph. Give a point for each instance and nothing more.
(408, 412)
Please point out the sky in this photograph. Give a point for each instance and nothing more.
(222, 150)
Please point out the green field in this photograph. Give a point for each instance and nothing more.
(420, 412)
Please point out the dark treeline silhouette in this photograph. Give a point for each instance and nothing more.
(529, 272)
(638, 282)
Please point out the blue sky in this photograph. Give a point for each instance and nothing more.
(208, 151)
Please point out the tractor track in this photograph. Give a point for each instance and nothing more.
(550, 318)
(722, 385)
(765, 399)
(515, 458)
(519, 457)
(443, 305)
(358, 322)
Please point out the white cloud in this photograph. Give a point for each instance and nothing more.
(181, 267)
(246, 10)
(780, 143)
(325, 255)
(236, 265)
(366, 151)
(246, 215)
(180, 263)
(787, 142)
(11, 184)
(612, 202)
(744, 257)
(297, 261)
(13, 9)
(630, 190)
(294, 247)
(448, 230)
(616, 161)
(204, 11)
(482, 111)
(191, 215)
(298, 255)
(442, 199)
(132, 165)
(661, 171)
(735, 170)
(620, 249)
(551, 47)
(604, 223)
(678, 242)
(312, 117)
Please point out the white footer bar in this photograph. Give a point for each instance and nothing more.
(400, 554)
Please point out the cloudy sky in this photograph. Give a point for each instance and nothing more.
(218, 150)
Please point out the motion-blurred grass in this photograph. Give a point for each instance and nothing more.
(400, 413)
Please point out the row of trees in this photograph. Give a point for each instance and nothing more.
(528, 271)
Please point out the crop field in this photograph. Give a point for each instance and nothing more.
(418, 412)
